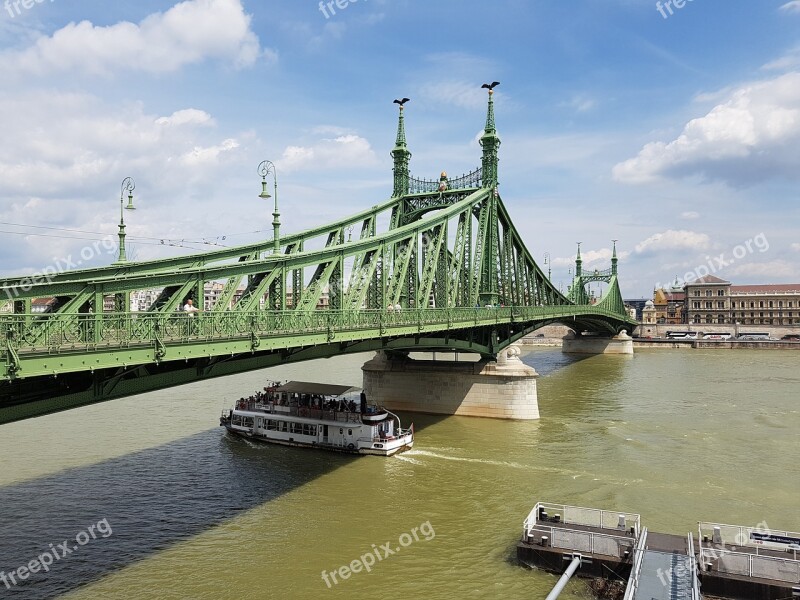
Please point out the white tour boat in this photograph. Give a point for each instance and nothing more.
(318, 415)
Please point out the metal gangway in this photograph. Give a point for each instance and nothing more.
(658, 575)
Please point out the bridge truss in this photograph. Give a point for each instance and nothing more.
(440, 265)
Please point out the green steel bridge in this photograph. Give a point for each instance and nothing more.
(438, 266)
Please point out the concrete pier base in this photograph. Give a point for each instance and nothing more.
(505, 389)
(587, 344)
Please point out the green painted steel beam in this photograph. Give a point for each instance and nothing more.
(128, 340)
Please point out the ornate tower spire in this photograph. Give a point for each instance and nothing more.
(401, 155)
(578, 262)
(490, 142)
(614, 258)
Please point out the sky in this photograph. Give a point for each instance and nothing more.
(671, 127)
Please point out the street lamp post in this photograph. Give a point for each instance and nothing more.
(548, 262)
(265, 168)
(128, 185)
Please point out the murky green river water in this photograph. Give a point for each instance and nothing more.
(676, 435)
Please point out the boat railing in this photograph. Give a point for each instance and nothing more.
(402, 433)
(301, 411)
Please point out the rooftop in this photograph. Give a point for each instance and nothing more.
(708, 279)
(766, 289)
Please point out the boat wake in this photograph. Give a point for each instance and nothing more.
(412, 454)
(405, 458)
(484, 461)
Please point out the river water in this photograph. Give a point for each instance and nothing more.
(180, 509)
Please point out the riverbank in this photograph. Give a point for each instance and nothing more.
(552, 335)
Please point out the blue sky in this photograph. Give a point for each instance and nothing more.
(679, 136)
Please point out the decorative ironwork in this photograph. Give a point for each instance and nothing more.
(378, 288)
(472, 180)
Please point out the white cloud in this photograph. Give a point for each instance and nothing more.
(791, 7)
(56, 143)
(753, 135)
(64, 155)
(188, 116)
(343, 151)
(580, 103)
(787, 62)
(188, 33)
(331, 130)
(674, 240)
(690, 215)
(796, 247)
(773, 270)
(208, 155)
(591, 258)
(463, 94)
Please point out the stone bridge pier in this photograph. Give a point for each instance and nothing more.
(592, 344)
(505, 389)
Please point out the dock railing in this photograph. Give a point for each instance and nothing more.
(638, 557)
(543, 514)
(718, 543)
(693, 568)
(588, 542)
(720, 534)
(750, 565)
(588, 517)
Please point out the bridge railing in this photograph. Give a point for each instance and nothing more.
(60, 332)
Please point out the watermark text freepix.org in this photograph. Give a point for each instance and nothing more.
(54, 553)
(60, 265)
(715, 264)
(330, 6)
(378, 553)
(684, 565)
(670, 6)
(15, 7)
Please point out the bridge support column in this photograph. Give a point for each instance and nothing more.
(505, 389)
(589, 344)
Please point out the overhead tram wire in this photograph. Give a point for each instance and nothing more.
(204, 241)
(162, 241)
(87, 239)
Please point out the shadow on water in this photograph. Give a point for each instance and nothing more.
(547, 360)
(151, 500)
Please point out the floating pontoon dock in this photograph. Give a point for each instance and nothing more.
(727, 561)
